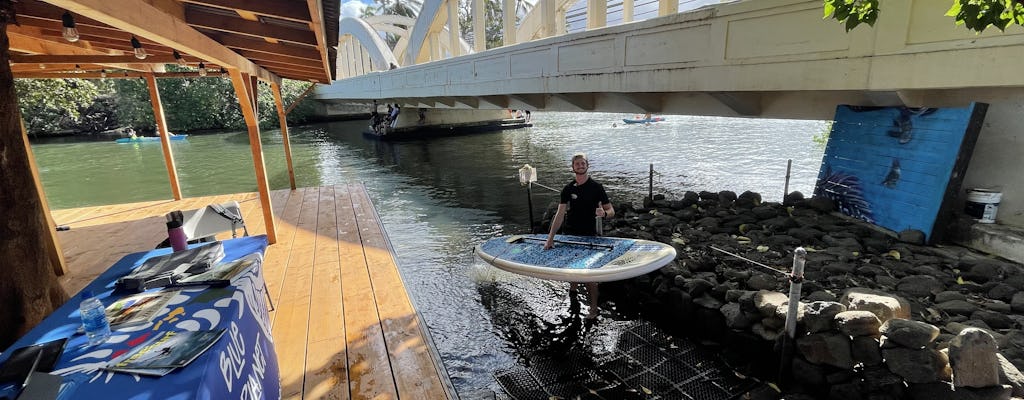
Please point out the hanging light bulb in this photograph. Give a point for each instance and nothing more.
(202, 69)
(78, 69)
(103, 73)
(69, 31)
(178, 59)
(223, 72)
(140, 52)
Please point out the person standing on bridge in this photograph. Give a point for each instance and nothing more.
(581, 202)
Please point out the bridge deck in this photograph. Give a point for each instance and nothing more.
(343, 324)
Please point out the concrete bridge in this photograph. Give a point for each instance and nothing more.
(764, 58)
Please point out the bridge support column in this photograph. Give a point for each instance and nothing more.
(508, 21)
(597, 13)
(627, 11)
(479, 24)
(667, 7)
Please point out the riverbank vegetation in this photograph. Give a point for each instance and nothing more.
(61, 107)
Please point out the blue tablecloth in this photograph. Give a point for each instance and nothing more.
(241, 365)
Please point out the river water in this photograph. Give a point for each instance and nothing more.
(439, 197)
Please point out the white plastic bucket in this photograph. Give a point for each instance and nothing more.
(983, 204)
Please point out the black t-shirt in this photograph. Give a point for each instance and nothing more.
(581, 202)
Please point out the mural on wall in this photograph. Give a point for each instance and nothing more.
(898, 167)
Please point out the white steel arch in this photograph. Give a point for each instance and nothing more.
(378, 51)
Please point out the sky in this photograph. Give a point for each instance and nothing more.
(353, 8)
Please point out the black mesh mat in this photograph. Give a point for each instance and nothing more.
(645, 364)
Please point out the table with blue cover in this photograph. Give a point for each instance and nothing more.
(242, 364)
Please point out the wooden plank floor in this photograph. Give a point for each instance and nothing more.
(343, 324)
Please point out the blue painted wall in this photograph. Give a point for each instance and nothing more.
(891, 165)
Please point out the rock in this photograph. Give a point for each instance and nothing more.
(983, 271)
(993, 319)
(792, 198)
(761, 281)
(828, 348)
(821, 295)
(820, 204)
(917, 365)
(697, 287)
(943, 297)
(819, 315)
(807, 373)
(767, 302)
(920, 285)
(1002, 291)
(1017, 303)
(912, 236)
(865, 350)
(708, 302)
(957, 307)
(858, 323)
(765, 332)
(972, 355)
(1011, 376)
(909, 333)
(885, 306)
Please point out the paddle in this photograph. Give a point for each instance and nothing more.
(517, 239)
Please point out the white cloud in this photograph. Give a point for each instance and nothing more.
(352, 8)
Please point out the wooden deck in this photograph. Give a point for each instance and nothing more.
(343, 324)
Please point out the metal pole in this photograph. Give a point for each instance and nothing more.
(650, 183)
(529, 202)
(785, 191)
(796, 279)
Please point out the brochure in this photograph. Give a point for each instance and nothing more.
(139, 308)
(158, 271)
(222, 273)
(165, 351)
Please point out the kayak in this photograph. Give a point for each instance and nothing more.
(643, 120)
(140, 139)
(576, 258)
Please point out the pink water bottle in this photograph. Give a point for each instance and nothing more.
(176, 235)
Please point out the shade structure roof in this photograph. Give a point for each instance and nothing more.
(269, 39)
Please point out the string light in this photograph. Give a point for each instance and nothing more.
(179, 59)
(140, 52)
(78, 69)
(103, 73)
(223, 72)
(202, 69)
(69, 31)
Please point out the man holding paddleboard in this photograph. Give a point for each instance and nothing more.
(582, 205)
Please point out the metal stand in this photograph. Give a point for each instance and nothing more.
(529, 203)
(796, 279)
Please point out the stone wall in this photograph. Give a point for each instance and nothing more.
(880, 317)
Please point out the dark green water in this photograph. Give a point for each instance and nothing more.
(438, 198)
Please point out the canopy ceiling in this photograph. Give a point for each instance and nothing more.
(269, 39)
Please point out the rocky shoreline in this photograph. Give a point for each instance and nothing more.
(881, 317)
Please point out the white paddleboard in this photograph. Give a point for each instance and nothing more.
(576, 258)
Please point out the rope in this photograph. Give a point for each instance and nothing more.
(779, 271)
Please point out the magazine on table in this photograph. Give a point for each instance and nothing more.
(138, 308)
(158, 271)
(165, 351)
(223, 273)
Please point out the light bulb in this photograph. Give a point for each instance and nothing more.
(78, 69)
(179, 59)
(69, 31)
(140, 52)
(202, 69)
(103, 73)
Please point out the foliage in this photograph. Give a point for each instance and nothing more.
(975, 15)
(821, 138)
(49, 105)
(492, 25)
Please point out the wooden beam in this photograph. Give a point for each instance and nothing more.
(260, 45)
(165, 137)
(199, 19)
(282, 117)
(240, 82)
(52, 245)
(317, 26)
(281, 59)
(299, 99)
(41, 74)
(160, 21)
(92, 59)
(270, 8)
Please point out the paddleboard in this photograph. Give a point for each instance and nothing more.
(576, 258)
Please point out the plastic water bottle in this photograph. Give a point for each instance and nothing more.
(177, 236)
(94, 319)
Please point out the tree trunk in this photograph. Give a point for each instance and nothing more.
(29, 290)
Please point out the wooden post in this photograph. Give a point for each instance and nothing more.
(29, 289)
(243, 89)
(165, 137)
(282, 116)
(53, 246)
